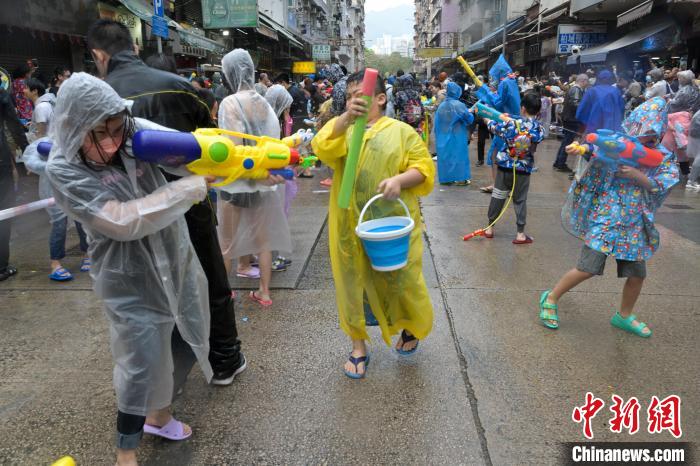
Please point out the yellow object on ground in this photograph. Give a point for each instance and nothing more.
(399, 299)
(64, 461)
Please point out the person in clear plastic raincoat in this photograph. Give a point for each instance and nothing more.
(452, 138)
(144, 267)
(395, 161)
(252, 219)
(694, 151)
(506, 99)
(612, 209)
(59, 222)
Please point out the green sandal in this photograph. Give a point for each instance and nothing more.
(545, 316)
(626, 325)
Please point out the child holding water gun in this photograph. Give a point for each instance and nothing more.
(395, 162)
(144, 267)
(521, 136)
(612, 210)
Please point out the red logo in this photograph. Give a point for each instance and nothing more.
(587, 412)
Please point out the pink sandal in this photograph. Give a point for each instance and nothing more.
(173, 430)
(259, 300)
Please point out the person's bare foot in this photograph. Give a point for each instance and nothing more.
(162, 417)
(520, 236)
(126, 458)
(406, 346)
(635, 323)
(359, 350)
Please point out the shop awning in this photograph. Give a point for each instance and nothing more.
(145, 12)
(482, 44)
(195, 40)
(600, 53)
(280, 29)
(478, 61)
(635, 13)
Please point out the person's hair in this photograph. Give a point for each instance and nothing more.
(435, 83)
(282, 77)
(21, 71)
(656, 74)
(685, 77)
(379, 87)
(532, 103)
(108, 35)
(129, 129)
(162, 62)
(59, 70)
(34, 84)
(399, 73)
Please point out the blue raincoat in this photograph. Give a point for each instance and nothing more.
(506, 99)
(602, 106)
(452, 137)
(614, 215)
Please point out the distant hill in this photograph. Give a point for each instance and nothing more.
(395, 21)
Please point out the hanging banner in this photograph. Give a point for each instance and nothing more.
(222, 14)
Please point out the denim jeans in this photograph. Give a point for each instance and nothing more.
(57, 240)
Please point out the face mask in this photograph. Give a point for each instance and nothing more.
(648, 79)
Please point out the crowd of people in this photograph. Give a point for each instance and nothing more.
(160, 252)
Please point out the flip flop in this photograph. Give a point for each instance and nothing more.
(259, 300)
(405, 338)
(355, 361)
(61, 274)
(527, 240)
(173, 430)
(253, 272)
(85, 265)
(486, 189)
(626, 325)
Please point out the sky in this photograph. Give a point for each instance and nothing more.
(379, 5)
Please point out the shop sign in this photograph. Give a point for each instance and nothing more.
(222, 14)
(303, 67)
(584, 36)
(124, 16)
(321, 52)
(434, 52)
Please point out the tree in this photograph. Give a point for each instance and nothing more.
(387, 63)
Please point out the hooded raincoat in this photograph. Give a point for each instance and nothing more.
(602, 106)
(279, 99)
(262, 225)
(398, 299)
(37, 164)
(452, 137)
(613, 215)
(144, 267)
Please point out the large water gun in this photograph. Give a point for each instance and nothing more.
(348, 182)
(620, 149)
(470, 72)
(484, 111)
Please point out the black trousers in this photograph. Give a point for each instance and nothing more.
(482, 136)
(7, 200)
(224, 345)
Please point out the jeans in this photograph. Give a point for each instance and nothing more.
(7, 200)
(570, 133)
(57, 240)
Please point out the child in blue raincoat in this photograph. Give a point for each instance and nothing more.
(612, 210)
(452, 138)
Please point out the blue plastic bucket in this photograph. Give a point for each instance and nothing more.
(386, 240)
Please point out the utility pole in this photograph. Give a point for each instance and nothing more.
(505, 22)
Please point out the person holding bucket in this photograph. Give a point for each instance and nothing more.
(395, 162)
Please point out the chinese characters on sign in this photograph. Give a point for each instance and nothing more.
(661, 415)
(222, 14)
(585, 36)
(321, 53)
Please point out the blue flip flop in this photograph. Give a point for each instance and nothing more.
(405, 338)
(85, 264)
(355, 361)
(61, 274)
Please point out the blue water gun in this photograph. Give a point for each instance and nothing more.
(620, 149)
(484, 111)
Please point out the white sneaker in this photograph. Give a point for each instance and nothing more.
(692, 185)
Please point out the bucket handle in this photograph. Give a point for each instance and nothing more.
(364, 209)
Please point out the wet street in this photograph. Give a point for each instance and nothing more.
(490, 385)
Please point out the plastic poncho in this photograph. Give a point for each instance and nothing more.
(676, 137)
(687, 99)
(278, 98)
(398, 299)
(407, 104)
(613, 215)
(144, 267)
(338, 96)
(37, 164)
(602, 106)
(694, 146)
(262, 226)
(452, 137)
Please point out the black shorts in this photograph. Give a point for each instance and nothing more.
(593, 262)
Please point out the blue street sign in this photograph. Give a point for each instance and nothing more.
(160, 27)
(158, 8)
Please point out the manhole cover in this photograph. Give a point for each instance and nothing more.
(678, 206)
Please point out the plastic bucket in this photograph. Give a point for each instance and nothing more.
(386, 240)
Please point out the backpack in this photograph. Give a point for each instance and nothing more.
(411, 110)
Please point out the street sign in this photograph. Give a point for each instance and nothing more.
(585, 36)
(321, 52)
(303, 67)
(158, 8)
(434, 52)
(159, 27)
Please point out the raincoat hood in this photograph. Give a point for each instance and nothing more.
(278, 98)
(83, 102)
(453, 91)
(405, 81)
(649, 119)
(338, 95)
(605, 77)
(332, 72)
(239, 70)
(500, 70)
(687, 99)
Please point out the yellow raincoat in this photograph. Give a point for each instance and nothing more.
(399, 299)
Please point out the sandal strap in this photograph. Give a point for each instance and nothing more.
(547, 316)
(358, 360)
(406, 338)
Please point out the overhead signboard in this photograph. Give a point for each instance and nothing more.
(321, 52)
(159, 27)
(584, 36)
(222, 14)
(303, 67)
(434, 52)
